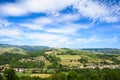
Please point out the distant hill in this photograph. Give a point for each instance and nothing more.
(20, 49)
(103, 50)
(33, 48)
(6, 45)
(14, 50)
(30, 49)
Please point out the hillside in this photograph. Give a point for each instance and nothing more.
(15, 50)
(21, 49)
(103, 50)
(87, 57)
(34, 55)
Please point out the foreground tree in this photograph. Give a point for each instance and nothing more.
(81, 77)
(111, 74)
(72, 75)
(10, 74)
(2, 77)
(59, 76)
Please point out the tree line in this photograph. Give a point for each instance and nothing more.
(81, 74)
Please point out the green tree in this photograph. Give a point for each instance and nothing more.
(41, 65)
(81, 77)
(59, 76)
(95, 76)
(10, 74)
(2, 77)
(72, 75)
(111, 74)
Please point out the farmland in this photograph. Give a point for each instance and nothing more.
(45, 63)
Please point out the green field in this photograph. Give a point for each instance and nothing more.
(21, 74)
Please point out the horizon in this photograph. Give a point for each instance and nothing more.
(62, 24)
(62, 47)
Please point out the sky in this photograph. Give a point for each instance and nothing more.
(61, 23)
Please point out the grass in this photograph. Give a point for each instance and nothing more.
(21, 74)
(28, 73)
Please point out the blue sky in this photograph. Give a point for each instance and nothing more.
(61, 23)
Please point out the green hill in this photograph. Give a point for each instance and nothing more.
(21, 49)
(14, 50)
(12, 54)
(103, 50)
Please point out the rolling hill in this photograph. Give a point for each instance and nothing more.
(103, 50)
(21, 49)
(12, 54)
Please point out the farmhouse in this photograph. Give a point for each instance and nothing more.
(70, 60)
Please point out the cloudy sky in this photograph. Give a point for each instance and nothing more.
(61, 23)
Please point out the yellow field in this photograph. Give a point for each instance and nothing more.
(69, 60)
(118, 57)
(40, 75)
(68, 56)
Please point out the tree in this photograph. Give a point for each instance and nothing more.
(2, 77)
(41, 65)
(95, 76)
(81, 77)
(111, 74)
(10, 74)
(59, 76)
(62, 76)
(72, 75)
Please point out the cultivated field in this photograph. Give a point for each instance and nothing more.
(68, 56)
(40, 75)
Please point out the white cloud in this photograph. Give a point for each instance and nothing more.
(13, 33)
(68, 28)
(32, 26)
(6, 40)
(112, 40)
(88, 40)
(4, 23)
(88, 8)
(63, 24)
(43, 20)
(97, 40)
(43, 36)
(52, 40)
(91, 9)
(27, 6)
(12, 10)
(97, 11)
(37, 24)
(51, 19)
(46, 5)
(68, 17)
